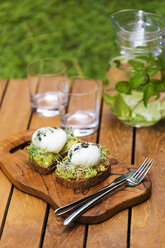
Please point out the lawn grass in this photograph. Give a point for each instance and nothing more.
(78, 32)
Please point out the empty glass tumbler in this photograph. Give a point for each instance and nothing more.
(79, 105)
(43, 77)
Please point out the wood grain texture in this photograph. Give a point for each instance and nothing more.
(148, 219)
(15, 115)
(11, 123)
(16, 168)
(40, 121)
(57, 235)
(5, 186)
(15, 111)
(4, 183)
(18, 232)
(118, 138)
(111, 233)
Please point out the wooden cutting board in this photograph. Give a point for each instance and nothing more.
(14, 163)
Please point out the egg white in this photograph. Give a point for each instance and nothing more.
(49, 139)
(86, 157)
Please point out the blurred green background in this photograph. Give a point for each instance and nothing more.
(78, 32)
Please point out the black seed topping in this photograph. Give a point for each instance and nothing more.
(85, 145)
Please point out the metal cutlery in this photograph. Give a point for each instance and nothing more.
(132, 178)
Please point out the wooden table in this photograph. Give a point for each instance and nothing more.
(27, 222)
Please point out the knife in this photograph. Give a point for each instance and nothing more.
(74, 205)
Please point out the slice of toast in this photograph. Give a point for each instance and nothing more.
(85, 183)
(42, 169)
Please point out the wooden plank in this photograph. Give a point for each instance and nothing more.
(148, 218)
(117, 137)
(3, 85)
(24, 221)
(59, 236)
(9, 124)
(111, 233)
(5, 185)
(15, 110)
(38, 121)
(63, 237)
(25, 210)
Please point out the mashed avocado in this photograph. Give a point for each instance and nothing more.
(67, 170)
(42, 157)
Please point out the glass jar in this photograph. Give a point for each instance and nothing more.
(136, 96)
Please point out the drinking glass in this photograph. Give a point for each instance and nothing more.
(79, 105)
(43, 77)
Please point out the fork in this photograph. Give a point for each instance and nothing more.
(74, 205)
(131, 179)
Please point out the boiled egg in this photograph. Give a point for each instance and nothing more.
(84, 154)
(50, 139)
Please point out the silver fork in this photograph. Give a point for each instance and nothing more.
(74, 205)
(132, 178)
